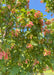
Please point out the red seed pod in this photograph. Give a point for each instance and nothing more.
(6, 57)
(41, 1)
(1, 55)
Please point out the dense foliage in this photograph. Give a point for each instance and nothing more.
(49, 5)
(26, 39)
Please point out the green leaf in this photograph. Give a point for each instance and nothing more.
(0, 73)
(14, 71)
(52, 25)
(4, 69)
(34, 43)
(28, 32)
(23, 10)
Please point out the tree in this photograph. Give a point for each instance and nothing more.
(26, 42)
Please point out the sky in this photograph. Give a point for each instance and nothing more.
(35, 4)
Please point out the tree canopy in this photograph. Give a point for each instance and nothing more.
(26, 39)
